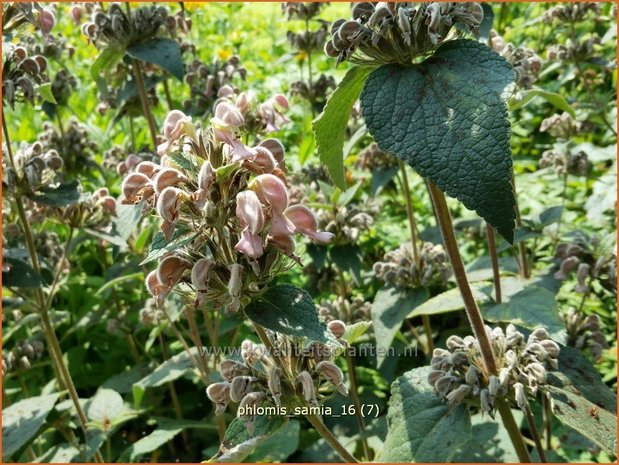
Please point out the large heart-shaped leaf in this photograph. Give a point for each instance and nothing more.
(447, 118)
(159, 51)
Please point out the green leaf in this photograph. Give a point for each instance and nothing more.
(45, 91)
(22, 420)
(421, 427)
(531, 308)
(161, 52)
(279, 446)
(347, 257)
(160, 246)
(105, 405)
(447, 118)
(381, 177)
(59, 196)
(575, 411)
(553, 98)
(330, 126)
(451, 300)
(123, 382)
(289, 310)
(355, 331)
(127, 219)
(238, 443)
(169, 370)
(105, 62)
(20, 274)
(389, 309)
(490, 443)
(166, 430)
(121, 279)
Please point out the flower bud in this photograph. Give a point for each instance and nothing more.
(277, 150)
(271, 191)
(521, 397)
(274, 383)
(240, 387)
(536, 371)
(551, 347)
(262, 163)
(307, 385)
(337, 327)
(219, 393)
(170, 270)
(168, 204)
(230, 369)
(251, 400)
(200, 273)
(206, 176)
(136, 187)
(455, 342)
(333, 374)
(235, 285)
(485, 400)
(227, 115)
(251, 352)
(494, 385)
(472, 375)
(46, 21)
(434, 376)
(147, 168)
(539, 334)
(458, 395)
(166, 178)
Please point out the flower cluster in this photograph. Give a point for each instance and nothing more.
(226, 201)
(562, 126)
(564, 159)
(52, 47)
(21, 356)
(580, 256)
(302, 11)
(34, 168)
(372, 158)
(400, 269)
(573, 51)
(115, 28)
(21, 74)
(572, 12)
(259, 381)
(318, 90)
(391, 32)
(151, 314)
(73, 144)
(459, 374)
(344, 310)
(526, 63)
(585, 332)
(207, 82)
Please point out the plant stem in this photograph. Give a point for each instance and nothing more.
(330, 438)
(470, 305)
(168, 96)
(139, 80)
(560, 220)
(522, 250)
(546, 408)
(310, 83)
(412, 227)
(514, 432)
(354, 392)
(62, 371)
(195, 336)
(535, 434)
(132, 132)
(495, 263)
(473, 313)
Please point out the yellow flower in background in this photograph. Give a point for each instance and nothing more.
(224, 53)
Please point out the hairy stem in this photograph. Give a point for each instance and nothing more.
(496, 276)
(328, 436)
(354, 392)
(139, 80)
(168, 96)
(535, 434)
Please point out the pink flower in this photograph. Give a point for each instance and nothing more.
(305, 222)
(263, 162)
(175, 126)
(251, 218)
(271, 191)
(240, 152)
(168, 204)
(227, 115)
(46, 21)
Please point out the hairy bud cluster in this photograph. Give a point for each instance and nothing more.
(399, 267)
(115, 29)
(573, 51)
(584, 332)
(372, 158)
(581, 257)
(228, 201)
(562, 126)
(318, 90)
(258, 380)
(52, 47)
(398, 32)
(21, 74)
(572, 12)
(347, 222)
(562, 158)
(151, 314)
(34, 168)
(302, 11)
(209, 82)
(73, 144)
(526, 63)
(459, 374)
(21, 356)
(344, 310)
(94, 210)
